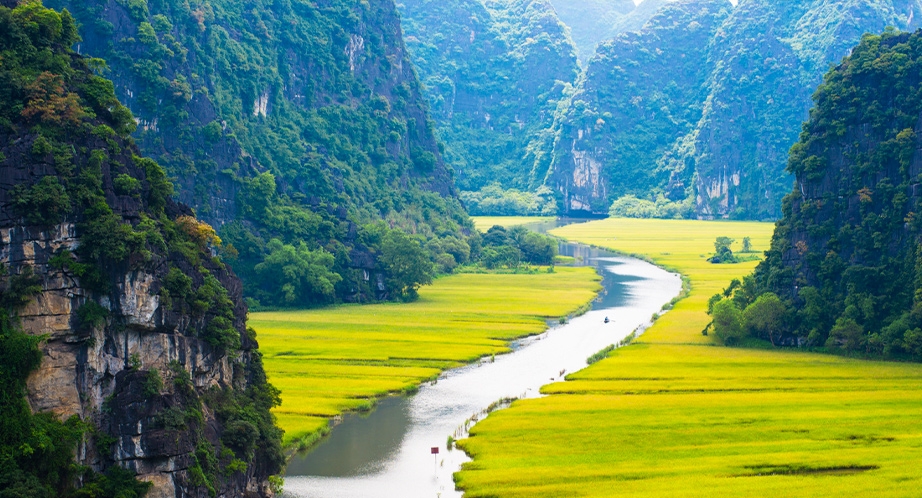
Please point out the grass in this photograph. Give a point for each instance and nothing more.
(342, 358)
(673, 415)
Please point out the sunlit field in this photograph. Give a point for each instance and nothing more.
(341, 358)
(674, 415)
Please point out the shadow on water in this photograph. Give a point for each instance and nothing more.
(359, 444)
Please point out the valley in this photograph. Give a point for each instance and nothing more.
(672, 412)
(481, 248)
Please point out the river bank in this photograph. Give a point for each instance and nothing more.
(672, 414)
(388, 454)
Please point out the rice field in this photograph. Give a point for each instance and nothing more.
(337, 359)
(673, 415)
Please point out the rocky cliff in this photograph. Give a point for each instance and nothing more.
(300, 122)
(640, 94)
(845, 255)
(494, 73)
(144, 329)
(762, 61)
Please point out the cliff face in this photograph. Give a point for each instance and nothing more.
(768, 58)
(845, 255)
(762, 62)
(640, 94)
(494, 73)
(320, 95)
(146, 337)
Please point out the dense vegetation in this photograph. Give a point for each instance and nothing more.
(843, 271)
(65, 146)
(592, 21)
(713, 136)
(291, 127)
(640, 95)
(494, 73)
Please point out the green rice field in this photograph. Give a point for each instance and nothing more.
(673, 415)
(342, 358)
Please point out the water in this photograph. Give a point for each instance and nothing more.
(387, 453)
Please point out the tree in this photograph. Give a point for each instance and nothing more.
(406, 263)
(845, 335)
(296, 274)
(723, 253)
(501, 257)
(766, 317)
(747, 244)
(45, 203)
(728, 322)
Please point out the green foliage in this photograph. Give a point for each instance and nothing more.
(153, 383)
(504, 248)
(844, 260)
(728, 322)
(747, 245)
(126, 185)
(90, 315)
(493, 95)
(702, 104)
(600, 355)
(286, 155)
(45, 203)
(493, 200)
(722, 251)
(407, 264)
(115, 483)
(766, 318)
(630, 206)
(296, 275)
(641, 94)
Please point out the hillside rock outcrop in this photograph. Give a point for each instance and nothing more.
(144, 328)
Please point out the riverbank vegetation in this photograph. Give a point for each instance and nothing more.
(332, 360)
(671, 414)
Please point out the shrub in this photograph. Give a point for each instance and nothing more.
(45, 203)
(90, 315)
(728, 322)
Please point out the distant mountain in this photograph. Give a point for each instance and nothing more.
(494, 73)
(641, 93)
(636, 18)
(763, 62)
(592, 21)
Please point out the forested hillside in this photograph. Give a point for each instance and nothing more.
(844, 267)
(592, 21)
(494, 73)
(124, 350)
(763, 62)
(291, 127)
(642, 92)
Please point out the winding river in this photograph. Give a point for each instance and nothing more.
(387, 453)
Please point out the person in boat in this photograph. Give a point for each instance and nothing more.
(606, 319)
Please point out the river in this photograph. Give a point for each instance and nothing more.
(388, 453)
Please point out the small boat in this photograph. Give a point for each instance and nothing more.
(607, 320)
